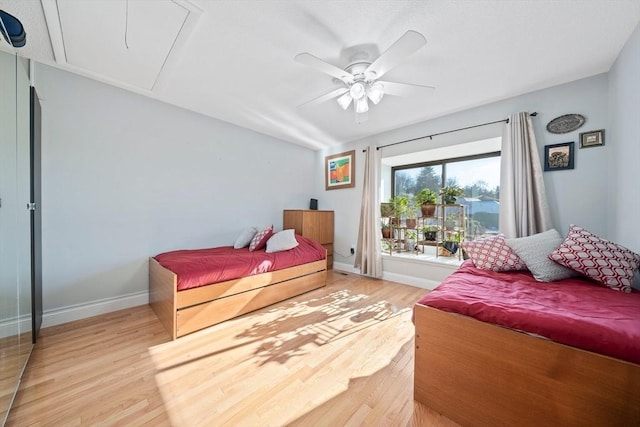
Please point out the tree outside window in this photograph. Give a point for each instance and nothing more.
(478, 176)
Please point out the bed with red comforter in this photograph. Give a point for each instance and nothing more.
(193, 289)
(504, 349)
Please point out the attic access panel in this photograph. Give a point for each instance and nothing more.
(127, 41)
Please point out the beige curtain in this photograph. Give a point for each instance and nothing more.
(524, 209)
(368, 254)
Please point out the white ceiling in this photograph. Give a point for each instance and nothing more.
(233, 60)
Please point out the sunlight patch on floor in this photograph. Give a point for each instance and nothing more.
(238, 367)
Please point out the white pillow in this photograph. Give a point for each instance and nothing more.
(245, 237)
(534, 250)
(282, 241)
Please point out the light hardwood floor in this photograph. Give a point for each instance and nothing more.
(340, 355)
(14, 352)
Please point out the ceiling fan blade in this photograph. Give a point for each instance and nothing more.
(403, 47)
(405, 89)
(326, 97)
(325, 67)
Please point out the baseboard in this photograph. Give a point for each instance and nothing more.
(347, 268)
(418, 282)
(70, 313)
(9, 327)
(93, 308)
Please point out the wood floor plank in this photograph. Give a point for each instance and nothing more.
(340, 355)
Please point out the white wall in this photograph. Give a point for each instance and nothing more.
(576, 196)
(125, 177)
(623, 140)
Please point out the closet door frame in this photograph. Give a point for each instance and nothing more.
(35, 213)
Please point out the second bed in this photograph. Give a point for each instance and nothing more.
(192, 289)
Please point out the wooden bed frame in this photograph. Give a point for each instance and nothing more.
(193, 309)
(479, 374)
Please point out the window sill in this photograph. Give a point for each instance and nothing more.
(429, 257)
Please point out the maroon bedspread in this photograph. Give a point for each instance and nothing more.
(198, 267)
(576, 312)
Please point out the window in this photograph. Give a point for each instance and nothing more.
(411, 179)
(477, 175)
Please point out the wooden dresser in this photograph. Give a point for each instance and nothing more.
(316, 225)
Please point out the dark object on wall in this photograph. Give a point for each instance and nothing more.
(594, 138)
(313, 204)
(558, 156)
(565, 124)
(12, 30)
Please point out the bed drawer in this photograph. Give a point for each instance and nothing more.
(207, 314)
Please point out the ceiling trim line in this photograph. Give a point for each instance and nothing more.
(172, 58)
(52, 18)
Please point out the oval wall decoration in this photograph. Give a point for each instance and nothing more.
(565, 124)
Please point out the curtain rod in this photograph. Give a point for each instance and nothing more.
(448, 131)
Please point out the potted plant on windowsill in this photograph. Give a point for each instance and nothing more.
(452, 243)
(426, 199)
(412, 209)
(411, 240)
(386, 229)
(400, 205)
(451, 220)
(450, 194)
(430, 232)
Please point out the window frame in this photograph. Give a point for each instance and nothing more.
(442, 163)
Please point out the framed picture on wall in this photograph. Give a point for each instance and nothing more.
(594, 138)
(558, 156)
(339, 170)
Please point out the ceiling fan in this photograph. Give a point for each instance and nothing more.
(361, 77)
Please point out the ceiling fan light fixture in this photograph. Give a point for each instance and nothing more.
(357, 90)
(362, 106)
(376, 92)
(345, 100)
(360, 78)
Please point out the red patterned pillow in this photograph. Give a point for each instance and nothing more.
(259, 241)
(597, 258)
(493, 254)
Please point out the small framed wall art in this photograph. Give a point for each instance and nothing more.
(339, 170)
(594, 138)
(558, 156)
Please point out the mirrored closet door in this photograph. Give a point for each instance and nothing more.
(17, 249)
